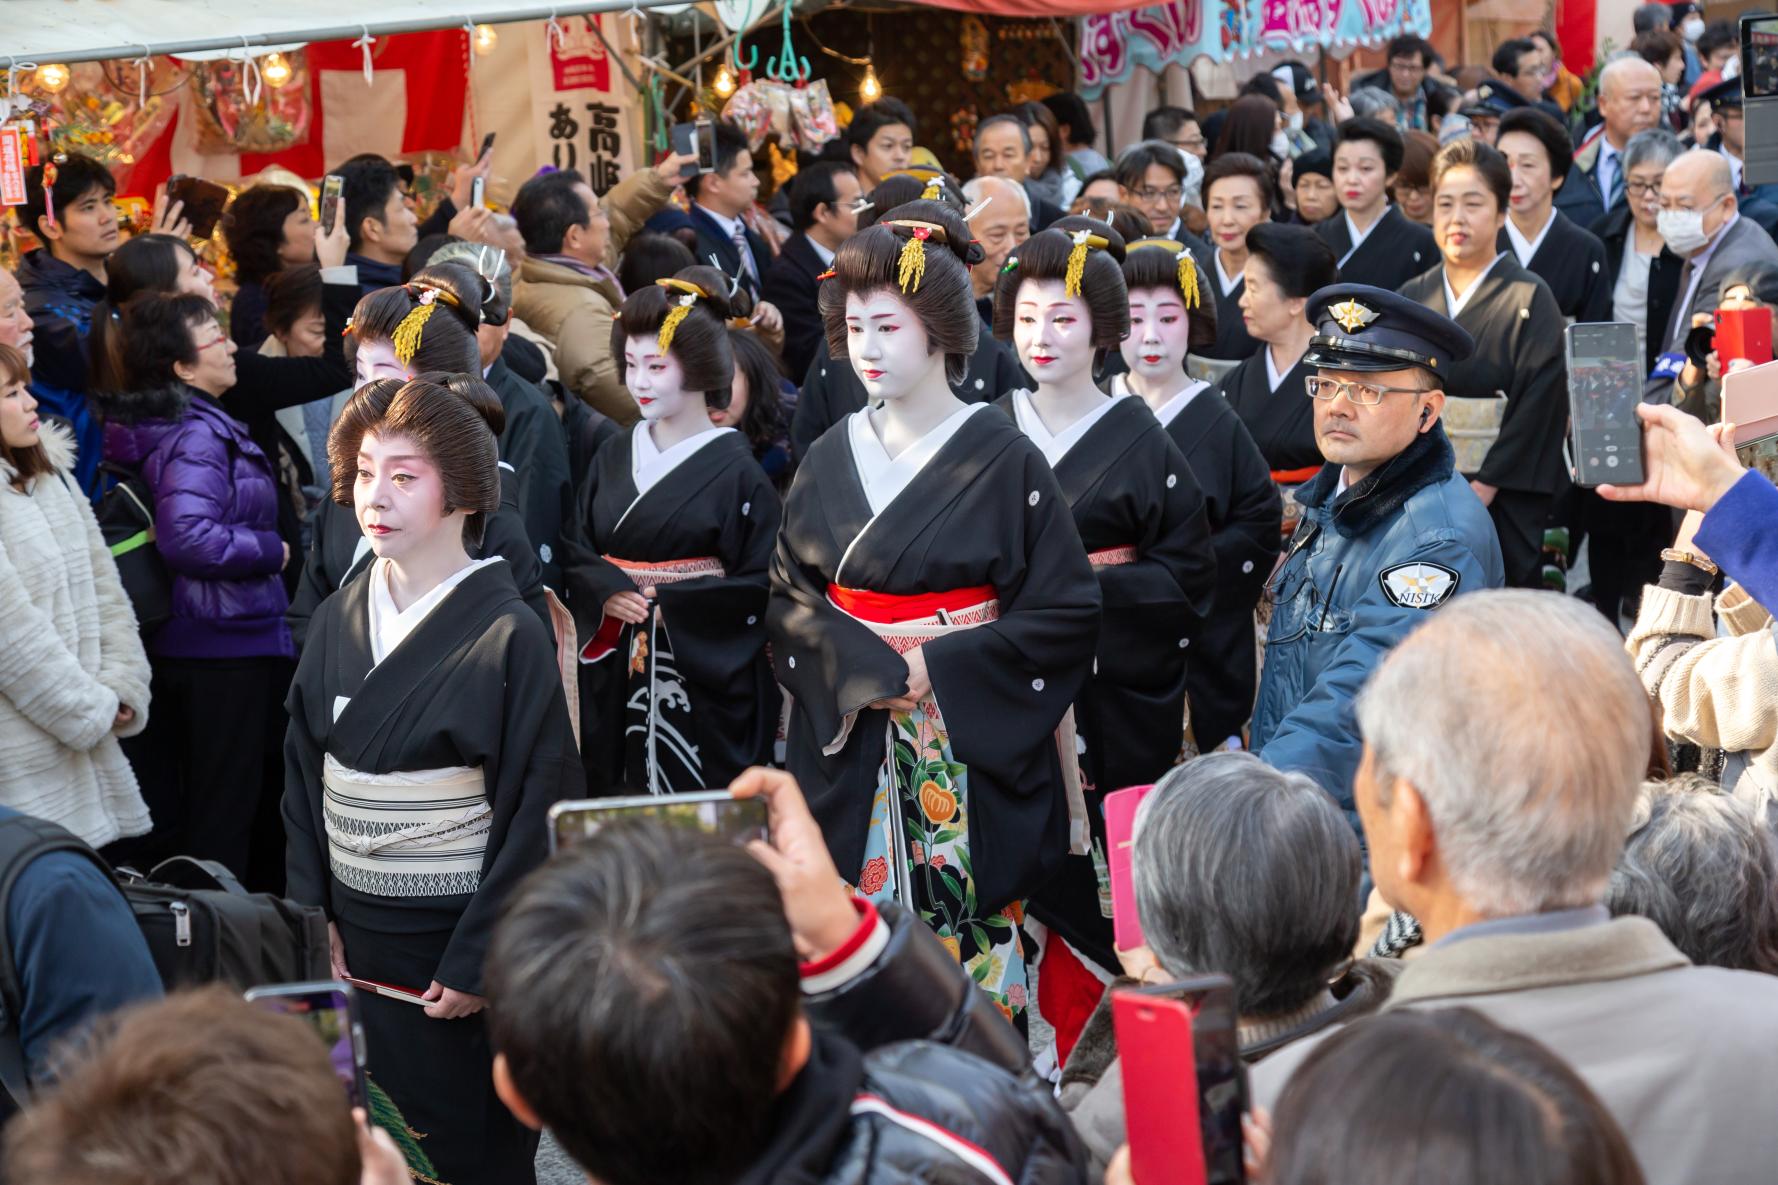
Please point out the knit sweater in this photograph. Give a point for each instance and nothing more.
(69, 656)
(1716, 692)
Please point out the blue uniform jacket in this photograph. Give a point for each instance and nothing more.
(1363, 569)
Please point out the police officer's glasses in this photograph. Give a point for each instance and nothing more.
(1362, 394)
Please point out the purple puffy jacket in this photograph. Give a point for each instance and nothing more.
(215, 523)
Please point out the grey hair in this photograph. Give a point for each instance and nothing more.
(972, 190)
(1654, 146)
(1007, 117)
(490, 263)
(1518, 719)
(1700, 866)
(1246, 870)
(1373, 102)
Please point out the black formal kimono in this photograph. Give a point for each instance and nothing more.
(1232, 339)
(338, 551)
(1245, 514)
(1395, 251)
(685, 700)
(1281, 422)
(1141, 518)
(416, 794)
(962, 545)
(831, 391)
(1571, 263)
(1518, 332)
(533, 444)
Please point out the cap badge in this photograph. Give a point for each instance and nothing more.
(1351, 315)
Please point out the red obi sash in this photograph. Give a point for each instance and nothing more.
(889, 609)
(645, 576)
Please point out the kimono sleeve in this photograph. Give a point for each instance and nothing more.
(1527, 456)
(1247, 541)
(814, 410)
(306, 873)
(589, 577)
(505, 536)
(721, 616)
(538, 766)
(1319, 736)
(1003, 687)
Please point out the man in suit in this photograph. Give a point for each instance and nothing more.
(1499, 840)
(1701, 223)
(821, 210)
(1758, 202)
(1629, 102)
(1002, 149)
(718, 199)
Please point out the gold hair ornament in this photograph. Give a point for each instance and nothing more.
(1188, 267)
(1084, 241)
(911, 267)
(406, 338)
(690, 293)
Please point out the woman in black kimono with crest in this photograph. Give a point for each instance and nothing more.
(428, 737)
(933, 613)
(666, 561)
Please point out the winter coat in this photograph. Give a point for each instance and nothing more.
(215, 522)
(69, 656)
(60, 298)
(915, 1076)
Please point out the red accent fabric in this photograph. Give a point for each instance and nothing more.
(1576, 24)
(889, 609)
(604, 641)
(1067, 993)
(867, 924)
(1294, 477)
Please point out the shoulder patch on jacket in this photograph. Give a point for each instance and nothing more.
(1419, 585)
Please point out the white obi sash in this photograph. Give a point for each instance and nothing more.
(414, 833)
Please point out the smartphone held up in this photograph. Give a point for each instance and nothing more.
(1185, 1088)
(713, 812)
(1604, 387)
(330, 1009)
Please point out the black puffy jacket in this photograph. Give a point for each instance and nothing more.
(916, 1077)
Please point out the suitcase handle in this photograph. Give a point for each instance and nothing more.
(189, 872)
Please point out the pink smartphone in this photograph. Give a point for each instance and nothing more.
(1120, 826)
(1184, 1087)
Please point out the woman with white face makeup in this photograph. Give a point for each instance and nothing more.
(1140, 515)
(434, 317)
(666, 560)
(932, 605)
(428, 736)
(1171, 314)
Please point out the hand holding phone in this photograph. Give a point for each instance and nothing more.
(330, 1009)
(332, 187)
(816, 903)
(1120, 827)
(1185, 1089)
(1604, 389)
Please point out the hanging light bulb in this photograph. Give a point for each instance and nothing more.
(724, 85)
(275, 69)
(53, 77)
(870, 90)
(485, 38)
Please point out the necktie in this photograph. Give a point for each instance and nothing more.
(1680, 324)
(1614, 188)
(747, 262)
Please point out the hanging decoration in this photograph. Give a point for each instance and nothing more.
(228, 122)
(1114, 44)
(975, 48)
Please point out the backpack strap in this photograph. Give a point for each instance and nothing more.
(22, 840)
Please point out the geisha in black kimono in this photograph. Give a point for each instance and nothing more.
(428, 737)
(667, 560)
(1061, 301)
(1171, 314)
(933, 613)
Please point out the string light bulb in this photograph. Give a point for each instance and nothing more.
(485, 39)
(870, 90)
(275, 69)
(54, 77)
(724, 85)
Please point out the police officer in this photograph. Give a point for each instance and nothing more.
(1390, 530)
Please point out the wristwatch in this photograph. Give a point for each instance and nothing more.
(1673, 555)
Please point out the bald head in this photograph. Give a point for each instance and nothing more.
(1629, 98)
(1518, 719)
(1701, 173)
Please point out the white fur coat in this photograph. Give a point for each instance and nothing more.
(69, 655)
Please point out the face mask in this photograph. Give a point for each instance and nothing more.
(1280, 145)
(1692, 27)
(1549, 76)
(1296, 121)
(1732, 68)
(1682, 230)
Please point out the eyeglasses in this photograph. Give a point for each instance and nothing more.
(1362, 394)
(1173, 193)
(1190, 143)
(1637, 189)
(218, 340)
(1408, 67)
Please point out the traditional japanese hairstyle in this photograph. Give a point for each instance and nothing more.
(921, 252)
(446, 417)
(687, 314)
(1086, 256)
(910, 185)
(409, 318)
(1165, 263)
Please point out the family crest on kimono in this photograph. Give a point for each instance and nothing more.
(667, 558)
(428, 737)
(933, 613)
(1062, 303)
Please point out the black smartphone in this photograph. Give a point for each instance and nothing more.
(711, 811)
(332, 186)
(1182, 1056)
(330, 1008)
(487, 147)
(204, 203)
(1759, 88)
(685, 143)
(1604, 387)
